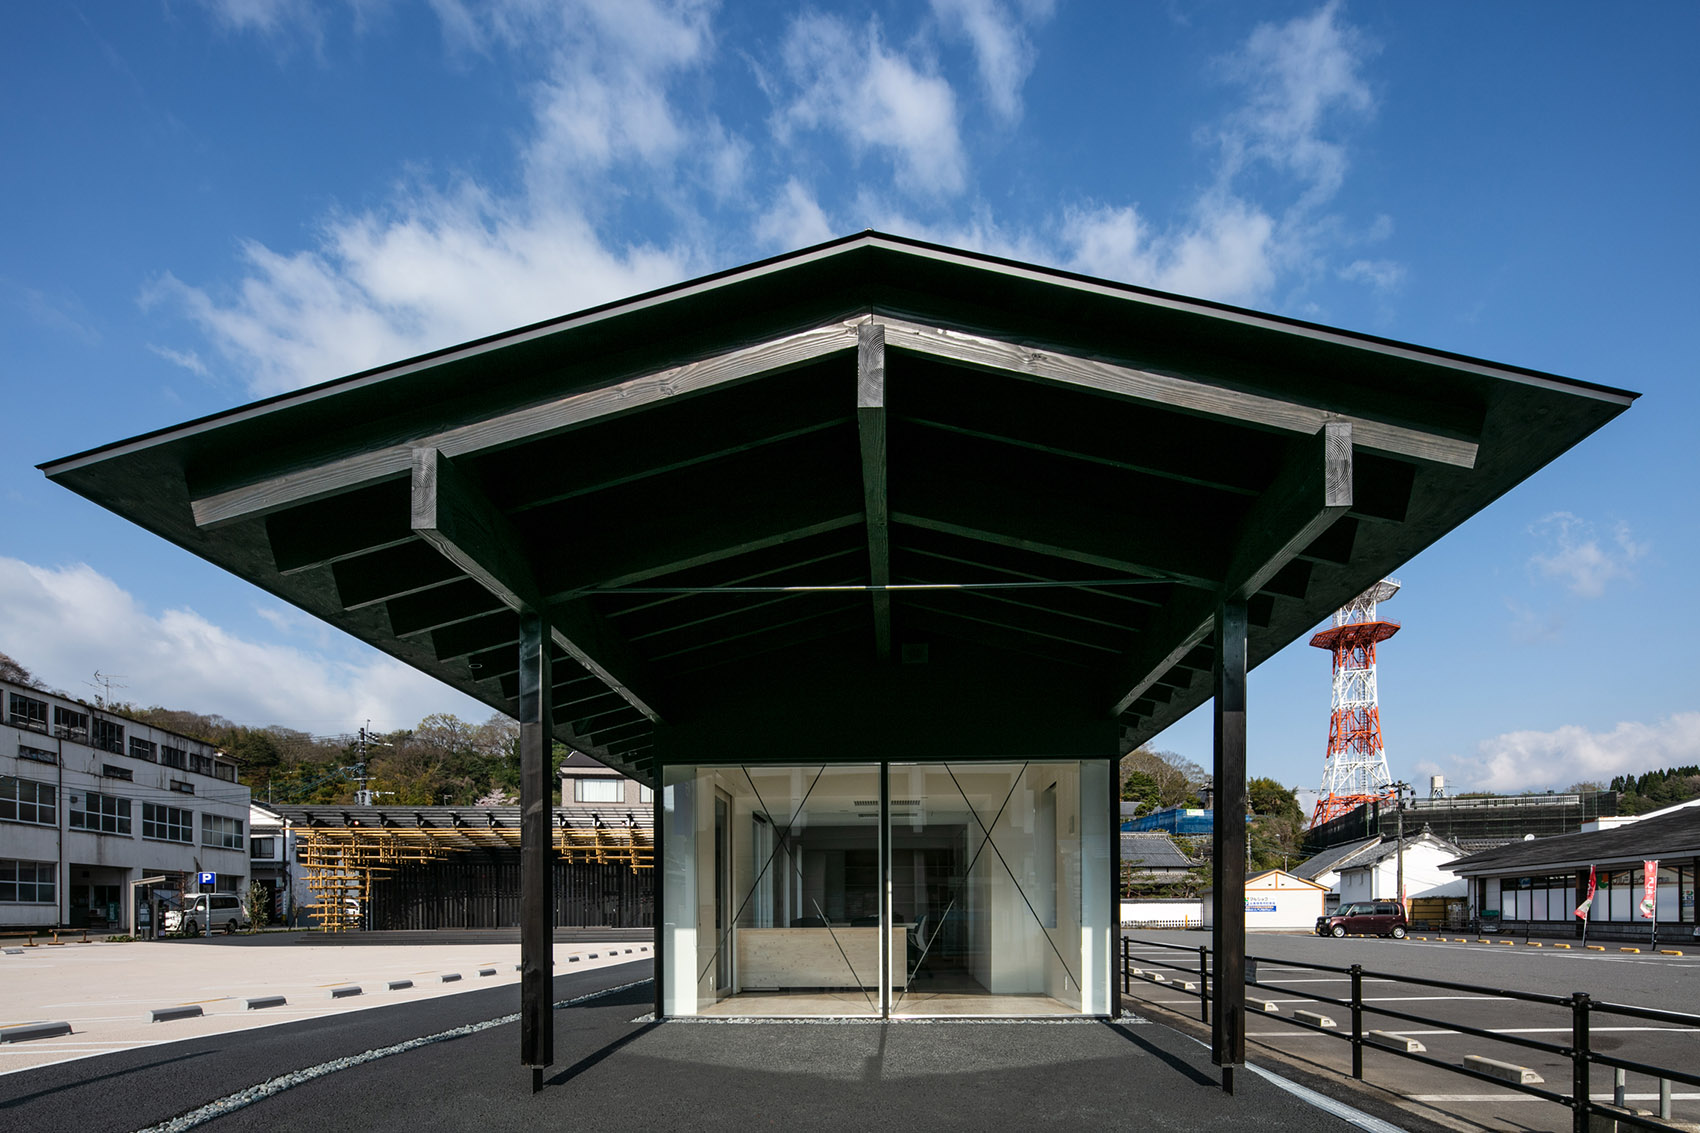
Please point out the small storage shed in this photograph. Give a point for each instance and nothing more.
(1276, 899)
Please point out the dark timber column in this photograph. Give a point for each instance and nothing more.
(536, 865)
(1227, 1028)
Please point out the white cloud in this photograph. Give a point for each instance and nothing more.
(1383, 275)
(1300, 79)
(437, 266)
(877, 100)
(1574, 555)
(187, 359)
(1533, 761)
(64, 623)
(1299, 76)
(1002, 52)
(795, 220)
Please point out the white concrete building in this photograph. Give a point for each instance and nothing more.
(1275, 900)
(91, 801)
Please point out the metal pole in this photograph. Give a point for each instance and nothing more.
(536, 861)
(886, 957)
(1357, 1021)
(1203, 984)
(1580, 1101)
(1228, 838)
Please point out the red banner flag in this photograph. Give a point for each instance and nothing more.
(1649, 888)
(1588, 902)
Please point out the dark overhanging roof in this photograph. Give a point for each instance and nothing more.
(871, 411)
(1666, 836)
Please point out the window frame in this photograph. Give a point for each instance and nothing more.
(160, 817)
(12, 798)
(65, 724)
(14, 867)
(216, 832)
(28, 720)
(579, 784)
(114, 819)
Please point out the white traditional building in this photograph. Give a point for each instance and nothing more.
(1374, 875)
(92, 803)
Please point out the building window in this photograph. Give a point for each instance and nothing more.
(225, 771)
(201, 764)
(25, 800)
(100, 814)
(174, 757)
(113, 771)
(40, 755)
(182, 788)
(262, 849)
(143, 749)
(26, 882)
(28, 712)
(598, 791)
(220, 832)
(167, 823)
(109, 736)
(645, 795)
(70, 725)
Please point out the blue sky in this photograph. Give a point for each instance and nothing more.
(210, 202)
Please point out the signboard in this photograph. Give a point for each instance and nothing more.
(1649, 889)
(206, 880)
(1253, 905)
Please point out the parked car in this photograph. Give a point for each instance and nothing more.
(1366, 918)
(226, 915)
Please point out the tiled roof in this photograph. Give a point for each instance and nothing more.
(1335, 857)
(1676, 834)
(1153, 851)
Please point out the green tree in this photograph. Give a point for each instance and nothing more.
(1140, 788)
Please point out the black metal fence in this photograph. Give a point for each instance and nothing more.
(1579, 1052)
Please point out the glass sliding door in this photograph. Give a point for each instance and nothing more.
(1000, 878)
(775, 889)
(772, 894)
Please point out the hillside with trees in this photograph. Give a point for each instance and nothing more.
(1651, 790)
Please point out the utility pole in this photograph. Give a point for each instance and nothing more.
(1399, 790)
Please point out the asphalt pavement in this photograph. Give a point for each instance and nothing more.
(1668, 983)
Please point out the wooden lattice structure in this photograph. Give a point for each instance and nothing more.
(343, 853)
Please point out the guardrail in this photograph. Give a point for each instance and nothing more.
(1578, 1052)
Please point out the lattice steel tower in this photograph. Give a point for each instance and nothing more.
(1355, 769)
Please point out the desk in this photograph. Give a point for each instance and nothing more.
(811, 957)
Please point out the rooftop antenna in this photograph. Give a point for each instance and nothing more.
(103, 684)
(1355, 768)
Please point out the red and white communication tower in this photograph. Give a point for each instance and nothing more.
(1355, 771)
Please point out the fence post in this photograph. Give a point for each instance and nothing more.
(1580, 1102)
(1203, 984)
(1357, 1021)
(1126, 985)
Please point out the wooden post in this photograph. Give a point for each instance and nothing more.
(536, 881)
(1228, 843)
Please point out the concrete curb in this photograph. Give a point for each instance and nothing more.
(1315, 1019)
(1504, 1071)
(400, 985)
(23, 1032)
(263, 1001)
(345, 992)
(1391, 1041)
(165, 1014)
(449, 977)
(486, 971)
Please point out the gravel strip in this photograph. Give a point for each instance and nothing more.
(242, 1098)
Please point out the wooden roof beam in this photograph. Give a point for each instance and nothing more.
(452, 513)
(1310, 494)
(1174, 392)
(870, 426)
(392, 462)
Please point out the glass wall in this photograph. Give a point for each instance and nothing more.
(990, 894)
